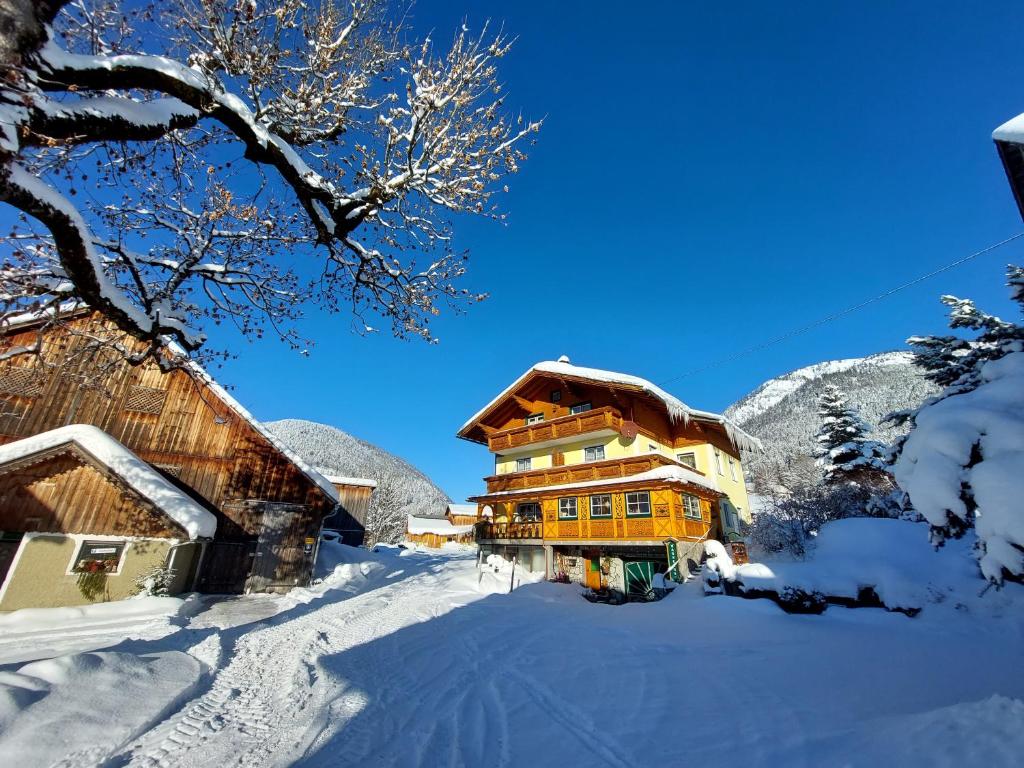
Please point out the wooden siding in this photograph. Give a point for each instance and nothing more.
(65, 493)
(172, 420)
(436, 541)
(564, 426)
(667, 518)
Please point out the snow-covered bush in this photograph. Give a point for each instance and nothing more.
(963, 462)
(156, 582)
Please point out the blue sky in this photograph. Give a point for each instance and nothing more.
(708, 176)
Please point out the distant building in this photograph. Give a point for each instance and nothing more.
(109, 469)
(462, 514)
(436, 532)
(349, 521)
(592, 465)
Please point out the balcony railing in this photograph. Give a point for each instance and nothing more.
(577, 473)
(529, 530)
(564, 426)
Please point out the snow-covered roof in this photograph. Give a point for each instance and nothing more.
(1011, 130)
(677, 473)
(360, 481)
(462, 509)
(436, 525)
(137, 474)
(678, 411)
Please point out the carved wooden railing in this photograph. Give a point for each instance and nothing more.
(577, 473)
(530, 530)
(564, 426)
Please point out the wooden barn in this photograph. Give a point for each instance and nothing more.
(435, 532)
(66, 508)
(462, 514)
(349, 519)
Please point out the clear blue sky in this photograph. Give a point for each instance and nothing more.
(708, 176)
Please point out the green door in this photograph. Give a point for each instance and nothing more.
(640, 580)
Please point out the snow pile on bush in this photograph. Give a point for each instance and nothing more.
(965, 459)
(853, 561)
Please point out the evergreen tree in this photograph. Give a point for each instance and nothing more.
(954, 362)
(961, 463)
(844, 452)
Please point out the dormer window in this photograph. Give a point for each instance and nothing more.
(580, 408)
(534, 418)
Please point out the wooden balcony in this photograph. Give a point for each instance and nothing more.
(530, 530)
(577, 473)
(565, 426)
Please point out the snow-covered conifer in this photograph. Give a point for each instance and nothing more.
(844, 451)
(962, 464)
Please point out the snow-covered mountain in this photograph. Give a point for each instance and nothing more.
(401, 488)
(783, 411)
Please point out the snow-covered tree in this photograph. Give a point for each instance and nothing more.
(182, 163)
(962, 463)
(844, 453)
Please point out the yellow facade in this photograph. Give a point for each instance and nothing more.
(40, 577)
(725, 470)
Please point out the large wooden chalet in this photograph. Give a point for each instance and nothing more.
(109, 469)
(592, 465)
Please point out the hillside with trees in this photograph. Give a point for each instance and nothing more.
(401, 488)
(783, 411)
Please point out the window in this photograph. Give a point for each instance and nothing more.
(730, 517)
(579, 408)
(594, 453)
(98, 557)
(523, 465)
(691, 507)
(718, 462)
(23, 382)
(556, 395)
(689, 459)
(567, 508)
(732, 468)
(535, 418)
(527, 512)
(638, 504)
(601, 506)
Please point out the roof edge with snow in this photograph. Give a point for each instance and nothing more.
(678, 411)
(195, 519)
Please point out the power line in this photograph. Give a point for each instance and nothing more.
(841, 313)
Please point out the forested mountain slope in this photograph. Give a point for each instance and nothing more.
(783, 411)
(401, 488)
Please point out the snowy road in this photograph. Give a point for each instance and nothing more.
(412, 661)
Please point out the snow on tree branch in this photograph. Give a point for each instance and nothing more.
(267, 154)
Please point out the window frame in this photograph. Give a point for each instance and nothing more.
(594, 516)
(533, 418)
(718, 462)
(556, 395)
(529, 464)
(534, 504)
(687, 513)
(692, 463)
(564, 515)
(593, 448)
(732, 470)
(648, 502)
(121, 545)
(578, 408)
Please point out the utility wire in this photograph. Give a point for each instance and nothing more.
(841, 313)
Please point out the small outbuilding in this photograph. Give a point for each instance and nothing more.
(462, 514)
(437, 531)
(349, 520)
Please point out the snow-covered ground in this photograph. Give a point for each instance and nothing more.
(418, 659)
